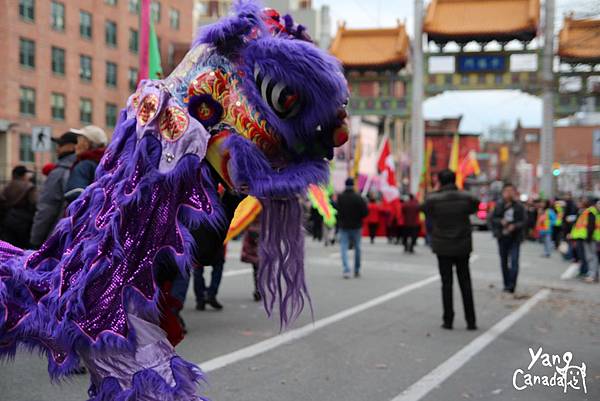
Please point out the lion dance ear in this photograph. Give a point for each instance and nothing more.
(229, 35)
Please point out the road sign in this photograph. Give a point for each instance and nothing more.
(41, 139)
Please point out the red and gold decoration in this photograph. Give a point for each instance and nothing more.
(223, 88)
(173, 123)
(147, 109)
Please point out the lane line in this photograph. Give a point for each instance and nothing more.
(571, 272)
(236, 272)
(421, 388)
(281, 339)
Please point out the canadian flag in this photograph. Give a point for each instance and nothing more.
(387, 172)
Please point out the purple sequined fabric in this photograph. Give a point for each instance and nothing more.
(75, 292)
(9, 251)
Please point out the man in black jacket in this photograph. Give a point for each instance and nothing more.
(508, 224)
(449, 210)
(351, 210)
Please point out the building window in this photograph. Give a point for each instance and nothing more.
(111, 2)
(26, 101)
(156, 11)
(111, 114)
(133, 40)
(85, 68)
(174, 18)
(85, 24)
(58, 16)
(57, 106)
(58, 60)
(27, 10)
(85, 110)
(134, 6)
(132, 78)
(110, 33)
(25, 151)
(27, 53)
(111, 74)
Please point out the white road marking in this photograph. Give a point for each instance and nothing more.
(281, 339)
(236, 272)
(473, 258)
(571, 271)
(437, 376)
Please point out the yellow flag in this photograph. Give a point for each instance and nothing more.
(504, 155)
(453, 162)
(357, 157)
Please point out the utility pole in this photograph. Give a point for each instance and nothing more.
(417, 135)
(547, 139)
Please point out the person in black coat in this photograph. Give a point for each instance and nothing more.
(509, 221)
(351, 211)
(449, 209)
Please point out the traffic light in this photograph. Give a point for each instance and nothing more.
(556, 169)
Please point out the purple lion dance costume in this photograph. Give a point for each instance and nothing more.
(254, 106)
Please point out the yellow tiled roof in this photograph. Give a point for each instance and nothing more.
(465, 20)
(579, 40)
(371, 47)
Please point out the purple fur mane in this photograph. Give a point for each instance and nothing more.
(283, 52)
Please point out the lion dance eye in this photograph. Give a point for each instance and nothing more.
(284, 101)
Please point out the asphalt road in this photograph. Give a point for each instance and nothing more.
(378, 338)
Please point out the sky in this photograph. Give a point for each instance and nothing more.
(480, 109)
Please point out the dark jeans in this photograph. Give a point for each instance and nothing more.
(181, 283)
(580, 251)
(411, 233)
(509, 248)
(202, 293)
(445, 264)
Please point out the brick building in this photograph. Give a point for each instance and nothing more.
(72, 63)
(441, 134)
(572, 145)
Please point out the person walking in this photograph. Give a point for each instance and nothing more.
(449, 209)
(91, 144)
(508, 223)
(373, 217)
(51, 203)
(17, 207)
(557, 228)
(545, 225)
(208, 295)
(250, 253)
(352, 209)
(586, 231)
(396, 208)
(410, 211)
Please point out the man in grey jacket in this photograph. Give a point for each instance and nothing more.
(51, 202)
(449, 209)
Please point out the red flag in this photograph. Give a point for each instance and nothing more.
(387, 170)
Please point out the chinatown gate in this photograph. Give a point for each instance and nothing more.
(494, 45)
(470, 45)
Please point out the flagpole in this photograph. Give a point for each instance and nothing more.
(365, 191)
(144, 40)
